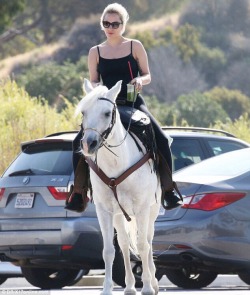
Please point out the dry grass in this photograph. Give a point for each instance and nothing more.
(43, 53)
(155, 24)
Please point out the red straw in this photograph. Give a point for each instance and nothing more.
(130, 70)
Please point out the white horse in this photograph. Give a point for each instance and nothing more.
(135, 194)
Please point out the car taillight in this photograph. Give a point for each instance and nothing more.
(2, 190)
(66, 247)
(59, 192)
(211, 201)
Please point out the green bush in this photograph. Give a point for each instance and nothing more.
(54, 81)
(211, 62)
(187, 41)
(198, 110)
(159, 110)
(23, 118)
(234, 102)
(240, 127)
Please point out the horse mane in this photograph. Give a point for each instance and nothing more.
(91, 97)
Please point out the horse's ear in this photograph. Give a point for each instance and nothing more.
(113, 92)
(87, 86)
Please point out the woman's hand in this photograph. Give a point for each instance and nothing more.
(137, 82)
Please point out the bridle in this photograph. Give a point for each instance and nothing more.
(104, 135)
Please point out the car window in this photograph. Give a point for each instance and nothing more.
(223, 146)
(41, 159)
(218, 168)
(186, 152)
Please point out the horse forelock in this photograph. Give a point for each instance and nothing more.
(90, 98)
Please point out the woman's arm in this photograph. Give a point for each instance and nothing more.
(93, 58)
(140, 55)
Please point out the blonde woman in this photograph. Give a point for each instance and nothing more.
(121, 58)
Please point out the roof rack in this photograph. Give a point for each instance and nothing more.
(63, 132)
(197, 129)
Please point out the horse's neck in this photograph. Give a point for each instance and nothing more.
(125, 152)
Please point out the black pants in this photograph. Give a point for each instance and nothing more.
(161, 139)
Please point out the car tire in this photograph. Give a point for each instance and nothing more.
(245, 277)
(2, 280)
(47, 278)
(186, 279)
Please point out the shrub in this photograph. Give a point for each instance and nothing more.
(23, 118)
(234, 102)
(240, 127)
(198, 110)
(54, 81)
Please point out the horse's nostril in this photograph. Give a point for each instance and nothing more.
(93, 144)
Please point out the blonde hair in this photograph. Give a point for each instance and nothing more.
(118, 9)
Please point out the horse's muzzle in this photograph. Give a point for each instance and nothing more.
(90, 144)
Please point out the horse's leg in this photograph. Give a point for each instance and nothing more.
(123, 241)
(153, 215)
(106, 225)
(145, 251)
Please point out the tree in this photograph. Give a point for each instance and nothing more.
(199, 110)
(187, 40)
(234, 102)
(8, 9)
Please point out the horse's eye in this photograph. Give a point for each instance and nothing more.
(107, 114)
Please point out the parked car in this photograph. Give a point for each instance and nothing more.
(52, 245)
(210, 233)
(55, 247)
(192, 145)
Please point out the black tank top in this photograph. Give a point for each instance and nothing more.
(113, 70)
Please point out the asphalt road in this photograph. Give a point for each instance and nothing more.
(91, 285)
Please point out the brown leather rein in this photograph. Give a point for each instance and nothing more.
(113, 182)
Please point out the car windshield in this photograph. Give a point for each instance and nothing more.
(42, 159)
(217, 168)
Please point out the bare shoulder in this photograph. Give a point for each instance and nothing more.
(137, 44)
(93, 50)
(138, 48)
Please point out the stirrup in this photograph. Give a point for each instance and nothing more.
(77, 201)
(170, 200)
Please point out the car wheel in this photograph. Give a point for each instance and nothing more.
(188, 279)
(47, 278)
(245, 277)
(2, 280)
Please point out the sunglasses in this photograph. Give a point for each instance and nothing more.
(114, 25)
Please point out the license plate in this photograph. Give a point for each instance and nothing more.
(24, 200)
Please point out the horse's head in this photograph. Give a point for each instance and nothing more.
(99, 112)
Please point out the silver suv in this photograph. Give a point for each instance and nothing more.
(55, 247)
(50, 244)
